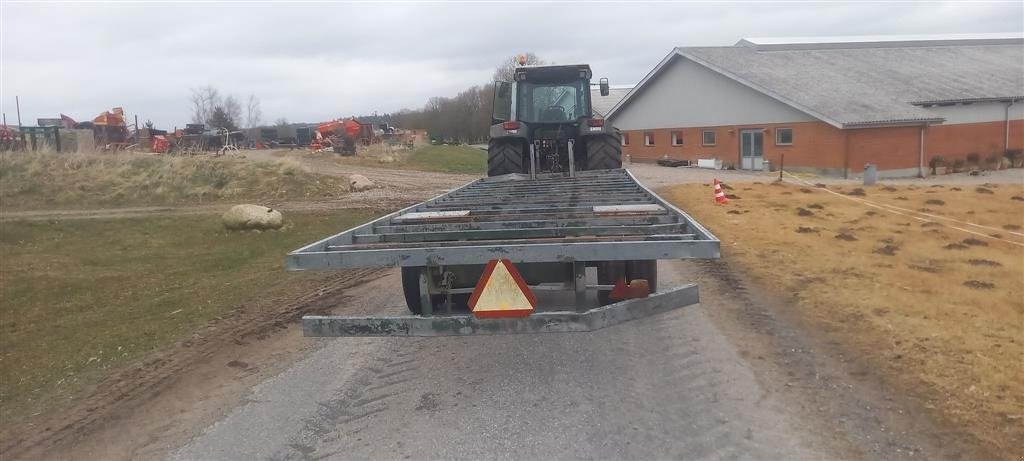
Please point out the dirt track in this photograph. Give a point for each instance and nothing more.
(738, 376)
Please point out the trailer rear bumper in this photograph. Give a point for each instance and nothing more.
(465, 325)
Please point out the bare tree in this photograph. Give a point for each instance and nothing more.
(253, 113)
(233, 109)
(281, 122)
(504, 72)
(203, 100)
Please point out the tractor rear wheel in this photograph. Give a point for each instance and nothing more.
(604, 152)
(504, 156)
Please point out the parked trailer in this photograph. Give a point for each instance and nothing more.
(551, 227)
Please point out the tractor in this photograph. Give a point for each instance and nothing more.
(543, 123)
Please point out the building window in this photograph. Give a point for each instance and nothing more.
(648, 138)
(708, 138)
(625, 139)
(783, 136)
(677, 138)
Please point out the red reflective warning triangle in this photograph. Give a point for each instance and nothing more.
(501, 292)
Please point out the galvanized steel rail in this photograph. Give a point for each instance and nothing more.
(595, 216)
(463, 325)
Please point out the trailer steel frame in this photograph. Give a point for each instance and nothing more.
(603, 215)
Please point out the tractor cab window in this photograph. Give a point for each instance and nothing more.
(551, 102)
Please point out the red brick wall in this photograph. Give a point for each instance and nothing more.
(956, 141)
(888, 148)
(815, 144)
(820, 145)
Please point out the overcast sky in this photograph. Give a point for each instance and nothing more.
(319, 61)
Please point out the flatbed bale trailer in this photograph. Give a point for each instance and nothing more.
(551, 226)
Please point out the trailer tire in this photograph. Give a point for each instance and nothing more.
(643, 269)
(609, 273)
(604, 152)
(411, 290)
(504, 156)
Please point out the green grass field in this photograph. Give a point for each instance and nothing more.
(80, 297)
(449, 159)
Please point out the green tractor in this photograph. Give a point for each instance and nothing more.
(543, 123)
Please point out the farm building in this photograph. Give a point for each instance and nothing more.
(830, 106)
(602, 104)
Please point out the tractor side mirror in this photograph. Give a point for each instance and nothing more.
(604, 86)
(502, 110)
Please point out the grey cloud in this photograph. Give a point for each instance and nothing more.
(314, 61)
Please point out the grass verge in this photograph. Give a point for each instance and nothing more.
(443, 158)
(80, 298)
(939, 309)
(47, 179)
(449, 159)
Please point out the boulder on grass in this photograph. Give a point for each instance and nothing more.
(386, 159)
(358, 182)
(244, 217)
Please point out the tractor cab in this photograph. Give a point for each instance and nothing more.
(543, 123)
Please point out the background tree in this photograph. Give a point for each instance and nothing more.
(504, 71)
(233, 110)
(466, 116)
(203, 100)
(253, 113)
(221, 118)
(281, 122)
(149, 124)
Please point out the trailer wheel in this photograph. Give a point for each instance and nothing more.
(643, 269)
(504, 156)
(604, 152)
(609, 273)
(411, 290)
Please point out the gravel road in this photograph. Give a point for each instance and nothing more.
(666, 386)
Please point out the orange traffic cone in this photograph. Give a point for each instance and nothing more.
(720, 194)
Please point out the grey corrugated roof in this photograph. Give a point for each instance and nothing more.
(602, 104)
(868, 85)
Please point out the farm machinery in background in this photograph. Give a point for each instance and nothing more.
(341, 136)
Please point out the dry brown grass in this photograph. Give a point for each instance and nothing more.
(48, 180)
(939, 309)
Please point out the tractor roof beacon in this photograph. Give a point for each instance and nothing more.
(543, 123)
(556, 204)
